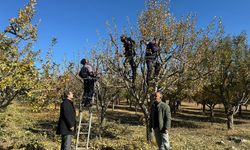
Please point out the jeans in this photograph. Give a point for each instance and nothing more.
(162, 139)
(66, 142)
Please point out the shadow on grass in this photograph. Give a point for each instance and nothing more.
(45, 127)
(187, 118)
(124, 118)
(244, 115)
(124, 107)
(195, 111)
(107, 148)
(184, 124)
(242, 136)
(197, 117)
(108, 134)
(104, 133)
(218, 112)
(188, 114)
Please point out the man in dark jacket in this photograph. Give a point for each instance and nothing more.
(129, 53)
(151, 57)
(160, 122)
(89, 78)
(67, 120)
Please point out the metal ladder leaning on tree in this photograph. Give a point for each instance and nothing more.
(84, 128)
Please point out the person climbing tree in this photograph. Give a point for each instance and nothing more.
(152, 59)
(129, 53)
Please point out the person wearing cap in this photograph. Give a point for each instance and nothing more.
(129, 53)
(160, 121)
(89, 78)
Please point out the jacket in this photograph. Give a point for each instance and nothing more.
(152, 51)
(164, 116)
(86, 71)
(67, 118)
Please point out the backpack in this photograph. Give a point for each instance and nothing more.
(155, 48)
(84, 73)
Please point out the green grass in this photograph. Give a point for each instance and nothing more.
(21, 128)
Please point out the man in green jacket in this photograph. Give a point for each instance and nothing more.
(160, 122)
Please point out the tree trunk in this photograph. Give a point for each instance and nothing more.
(178, 105)
(240, 110)
(148, 130)
(204, 108)
(175, 107)
(97, 101)
(230, 121)
(146, 113)
(230, 117)
(113, 106)
(55, 106)
(130, 104)
(102, 117)
(102, 120)
(7, 98)
(211, 112)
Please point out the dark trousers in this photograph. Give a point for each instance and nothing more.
(149, 70)
(132, 64)
(66, 142)
(157, 69)
(89, 85)
(152, 65)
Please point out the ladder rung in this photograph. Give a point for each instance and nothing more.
(83, 133)
(82, 144)
(83, 130)
(83, 127)
(85, 124)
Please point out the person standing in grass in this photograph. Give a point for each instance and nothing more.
(160, 122)
(67, 120)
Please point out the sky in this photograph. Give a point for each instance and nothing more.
(78, 24)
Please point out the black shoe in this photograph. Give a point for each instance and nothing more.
(88, 104)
